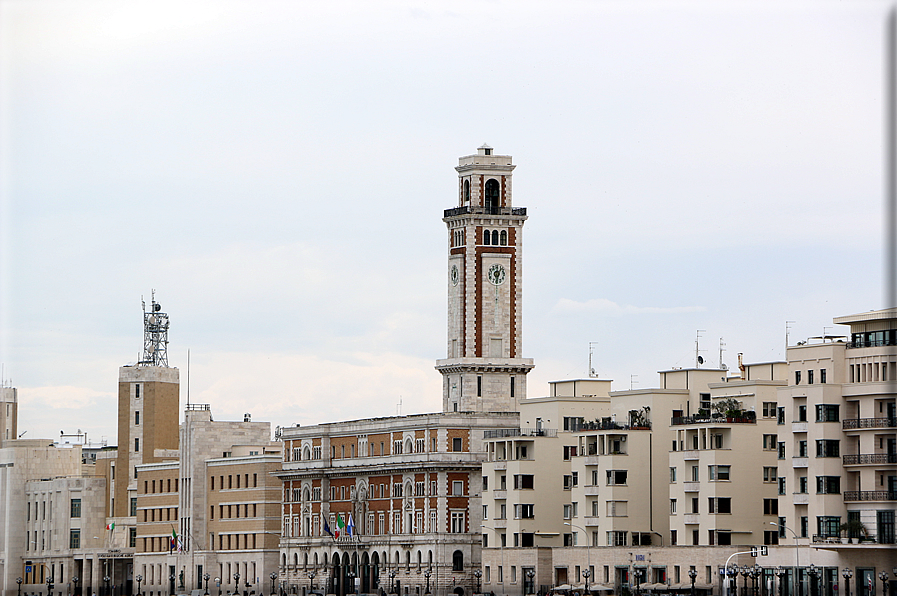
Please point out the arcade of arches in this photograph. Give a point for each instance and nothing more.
(337, 573)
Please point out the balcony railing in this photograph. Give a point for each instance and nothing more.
(870, 495)
(678, 420)
(869, 458)
(479, 210)
(520, 432)
(882, 422)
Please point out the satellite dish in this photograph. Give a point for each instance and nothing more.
(157, 307)
(152, 319)
(700, 360)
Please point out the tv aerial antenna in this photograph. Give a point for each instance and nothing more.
(592, 373)
(699, 360)
(155, 334)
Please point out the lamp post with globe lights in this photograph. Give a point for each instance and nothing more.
(218, 584)
(427, 575)
(19, 582)
(745, 572)
(311, 579)
(883, 576)
(587, 574)
(392, 577)
(731, 579)
(692, 574)
(139, 580)
(273, 576)
(780, 573)
(206, 577)
(531, 575)
(846, 573)
(479, 575)
(813, 575)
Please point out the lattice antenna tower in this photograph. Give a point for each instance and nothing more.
(155, 335)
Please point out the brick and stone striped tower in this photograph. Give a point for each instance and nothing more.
(483, 371)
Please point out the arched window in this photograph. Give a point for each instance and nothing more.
(408, 560)
(306, 453)
(504, 237)
(492, 194)
(457, 561)
(467, 191)
(486, 237)
(306, 494)
(284, 559)
(494, 237)
(418, 560)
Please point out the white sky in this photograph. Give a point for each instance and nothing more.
(277, 171)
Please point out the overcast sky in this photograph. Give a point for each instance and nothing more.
(277, 172)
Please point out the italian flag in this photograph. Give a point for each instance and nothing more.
(340, 525)
(110, 526)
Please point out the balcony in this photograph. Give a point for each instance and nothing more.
(480, 210)
(692, 487)
(869, 495)
(591, 490)
(858, 423)
(681, 420)
(520, 432)
(692, 519)
(591, 460)
(800, 462)
(801, 498)
(691, 455)
(499, 524)
(799, 427)
(869, 458)
(590, 520)
(499, 494)
(500, 465)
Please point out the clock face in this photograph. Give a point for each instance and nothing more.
(496, 275)
(454, 275)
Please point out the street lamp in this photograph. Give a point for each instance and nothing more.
(586, 574)
(478, 574)
(756, 572)
(531, 575)
(813, 575)
(883, 576)
(351, 575)
(50, 586)
(170, 584)
(75, 581)
(796, 553)
(218, 583)
(207, 577)
(311, 579)
(745, 572)
(780, 573)
(106, 581)
(273, 577)
(237, 583)
(846, 573)
(692, 574)
(732, 576)
(588, 543)
(19, 581)
(427, 575)
(140, 579)
(392, 575)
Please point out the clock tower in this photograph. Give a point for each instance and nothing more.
(483, 370)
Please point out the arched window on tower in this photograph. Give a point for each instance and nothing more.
(466, 191)
(457, 561)
(504, 237)
(486, 237)
(492, 195)
(494, 237)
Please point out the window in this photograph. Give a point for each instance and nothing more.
(797, 377)
(75, 538)
(770, 506)
(672, 475)
(419, 445)
(781, 415)
(769, 442)
(781, 449)
(827, 413)
(802, 413)
(504, 237)
(133, 511)
(420, 488)
(672, 506)
(458, 522)
(132, 537)
(828, 485)
(397, 489)
(568, 511)
(769, 409)
(822, 375)
(479, 386)
(137, 391)
(456, 444)
(809, 377)
(524, 481)
(802, 450)
(720, 504)
(457, 561)
(512, 378)
(136, 417)
(569, 451)
(616, 477)
(718, 473)
(136, 445)
(828, 525)
(828, 448)
(705, 401)
(617, 538)
(617, 508)
(524, 511)
(75, 508)
(782, 528)
(804, 526)
(770, 474)
(695, 474)
(781, 482)
(573, 423)
(458, 488)
(802, 484)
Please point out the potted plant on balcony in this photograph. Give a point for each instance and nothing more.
(854, 528)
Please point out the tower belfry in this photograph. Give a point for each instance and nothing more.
(483, 370)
